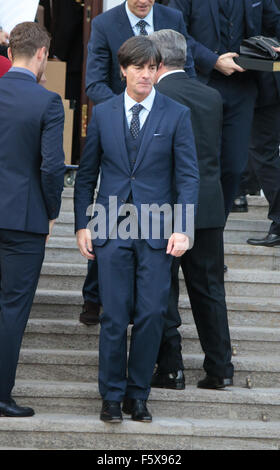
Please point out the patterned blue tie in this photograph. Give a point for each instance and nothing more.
(141, 25)
(135, 121)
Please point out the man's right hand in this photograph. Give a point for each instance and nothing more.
(84, 243)
(226, 65)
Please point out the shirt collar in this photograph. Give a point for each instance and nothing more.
(134, 19)
(147, 103)
(23, 70)
(169, 73)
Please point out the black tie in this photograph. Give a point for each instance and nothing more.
(141, 25)
(135, 122)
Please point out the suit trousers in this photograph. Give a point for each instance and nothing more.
(265, 159)
(239, 93)
(21, 258)
(203, 270)
(134, 283)
(90, 287)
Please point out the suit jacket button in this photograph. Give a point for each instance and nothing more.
(133, 177)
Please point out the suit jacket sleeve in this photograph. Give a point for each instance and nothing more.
(271, 18)
(98, 66)
(52, 166)
(87, 175)
(186, 176)
(204, 58)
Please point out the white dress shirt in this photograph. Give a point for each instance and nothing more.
(147, 104)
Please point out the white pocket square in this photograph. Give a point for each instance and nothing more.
(256, 4)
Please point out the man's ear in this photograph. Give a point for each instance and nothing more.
(123, 72)
(10, 54)
(41, 53)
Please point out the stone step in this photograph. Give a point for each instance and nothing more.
(238, 230)
(78, 365)
(240, 256)
(70, 334)
(84, 399)
(257, 208)
(239, 282)
(250, 311)
(65, 431)
(247, 282)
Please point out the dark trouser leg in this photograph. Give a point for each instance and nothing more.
(21, 258)
(90, 287)
(170, 354)
(239, 94)
(264, 154)
(204, 276)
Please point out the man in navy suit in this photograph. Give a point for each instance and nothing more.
(31, 182)
(142, 144)
(109, 31)
(220, 26)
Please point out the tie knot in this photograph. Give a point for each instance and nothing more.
(141, 25)
(136, 109)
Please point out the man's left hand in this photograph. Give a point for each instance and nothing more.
(178, 244)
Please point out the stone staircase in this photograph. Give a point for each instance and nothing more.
(57, 372)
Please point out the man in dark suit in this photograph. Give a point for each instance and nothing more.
(142, 142)
(31, 182)
(264, 149)
(108, 32)
(203, 265)
(221, 25)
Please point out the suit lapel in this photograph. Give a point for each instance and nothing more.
(214, 7)
(118, 128)
(152, 123)
(123, 24)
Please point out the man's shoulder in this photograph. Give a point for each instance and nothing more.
(170, 105)
(167, 12)
(109, 15)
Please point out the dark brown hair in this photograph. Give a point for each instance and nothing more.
(26, 38)
(138, 50)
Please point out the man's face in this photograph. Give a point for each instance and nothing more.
(140, 80)
(140, 8)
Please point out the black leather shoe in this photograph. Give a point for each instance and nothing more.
(272, 239)
(214, 382)
(90, 314)
(240, 204)
(137, 409)
(111, 411)
(12, 410)
(174, 380)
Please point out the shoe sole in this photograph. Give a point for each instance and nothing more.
(177, 387)
(7, 415)
(114, 420)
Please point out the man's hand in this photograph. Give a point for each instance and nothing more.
(178, 243)
(51, 224)
(277, 49)
(4, 37)
(84, 243)
(226, 65)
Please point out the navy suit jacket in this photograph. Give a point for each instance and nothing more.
(202, 21)
(109, 31)
(166, 159)
(31, 154)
